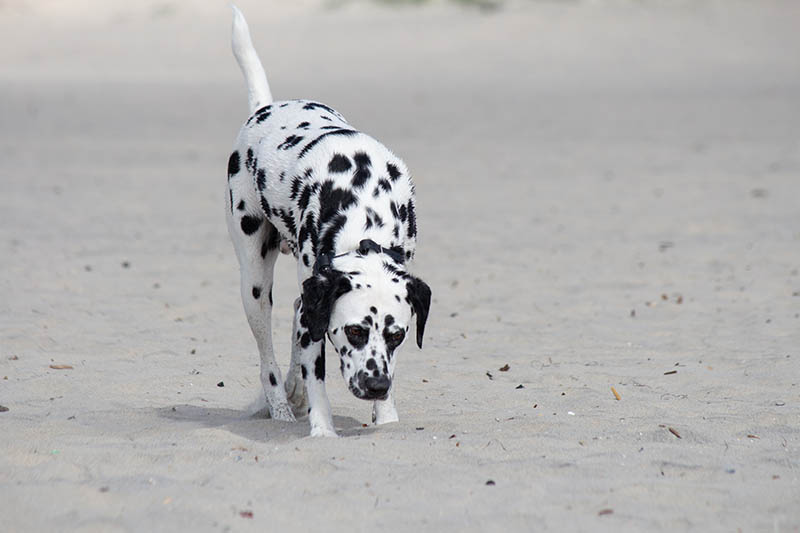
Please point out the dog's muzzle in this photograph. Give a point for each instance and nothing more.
(371, 388)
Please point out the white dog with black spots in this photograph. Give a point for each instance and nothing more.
(302, 179)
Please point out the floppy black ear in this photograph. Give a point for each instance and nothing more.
(419, 295)
(320, 292)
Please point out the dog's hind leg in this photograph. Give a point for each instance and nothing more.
(295, 384)
(256, 243)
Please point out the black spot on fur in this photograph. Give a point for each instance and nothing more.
(393, 171)
(262, 114)
(316, 105)
(371, 364)
(333, 201)
(312, 232)
(393, 207)
(385, 185)
(240, 207)
(309, 146)
(250, 162)
(234, 164)
(264, 204)
(305, 196)
(305, 260)
(339, 163)
(288, 220)
(304, 373)
(373, 218)
(330, 233)
(290, 142)
(368, 320)
(403, 213)
(261, 179)
(270, 295)
(319, 365)
(297, 182)
(388, 321)
(412, 220)
(272, 380)
(373, 310)
(256, 292)
(362, 173)
(305, 340)
(303, 126)
(250, 224)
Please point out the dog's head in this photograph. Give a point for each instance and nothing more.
(364, 301)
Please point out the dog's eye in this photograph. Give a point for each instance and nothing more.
(396, 338)
(356, 332)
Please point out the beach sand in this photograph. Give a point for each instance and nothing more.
(608, 200)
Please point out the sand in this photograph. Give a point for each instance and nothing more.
(609, 196)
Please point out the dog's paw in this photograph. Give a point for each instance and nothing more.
(318, 431)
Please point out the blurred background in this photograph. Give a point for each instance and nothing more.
(569, 146)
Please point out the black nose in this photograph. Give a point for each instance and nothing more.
(377, 387)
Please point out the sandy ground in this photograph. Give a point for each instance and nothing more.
(609, 196)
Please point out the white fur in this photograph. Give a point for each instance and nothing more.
(258, 93)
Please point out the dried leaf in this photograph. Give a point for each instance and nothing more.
(616, 394)
(61, 367)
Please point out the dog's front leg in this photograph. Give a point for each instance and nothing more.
(384, 411)
(319, 408)
(312, 368)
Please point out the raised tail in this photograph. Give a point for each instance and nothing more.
(258, 93)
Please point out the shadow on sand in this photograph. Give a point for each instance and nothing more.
(256, 427)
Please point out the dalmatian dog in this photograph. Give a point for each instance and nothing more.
(301, 178)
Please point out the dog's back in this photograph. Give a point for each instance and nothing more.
(320, 182)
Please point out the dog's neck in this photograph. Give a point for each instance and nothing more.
(366, 246)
